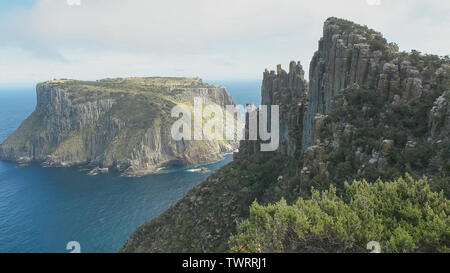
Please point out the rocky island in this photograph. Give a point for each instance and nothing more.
(368, 112)
(114, 124)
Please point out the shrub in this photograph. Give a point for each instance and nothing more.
(403, 216)
(344, 170)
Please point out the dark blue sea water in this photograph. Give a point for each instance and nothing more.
(243, 92)
(42, 209)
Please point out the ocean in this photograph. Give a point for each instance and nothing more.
(43, 209)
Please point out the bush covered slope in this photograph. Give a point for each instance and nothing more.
(403, 216)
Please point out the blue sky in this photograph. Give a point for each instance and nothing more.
(9, 6)
(16, 3)
(213, 39)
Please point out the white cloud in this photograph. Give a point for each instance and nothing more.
(74, 2)
(220, 39)
(373, 2)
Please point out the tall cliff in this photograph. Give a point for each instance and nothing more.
(122, 124)
(289, 90)
(368, 111)
(372, 108)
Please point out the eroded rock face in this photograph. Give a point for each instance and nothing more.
(370, 109)
(289, 91)
(352, 58)
(394, 90)
(344, 58)
(113, 124)
(350, 55)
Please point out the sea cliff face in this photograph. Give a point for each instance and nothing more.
(368, 112)
(118, 124)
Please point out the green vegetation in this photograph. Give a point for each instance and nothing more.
(83, 91)
(375, 39)
(133, 84)
(403, 216)
(31, 127)
(375, 120)
(351, 27)
(205, 218)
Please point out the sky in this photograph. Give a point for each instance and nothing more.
(216, 40)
